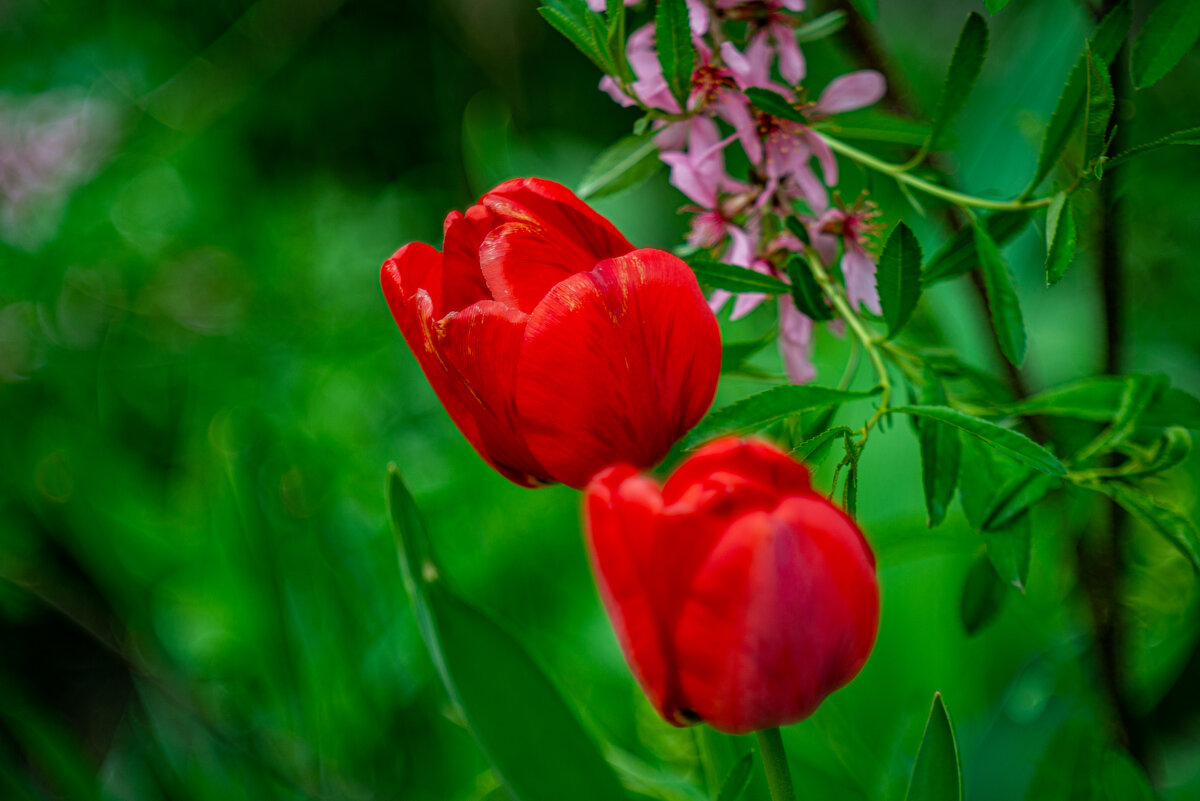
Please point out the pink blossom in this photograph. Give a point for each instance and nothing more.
(741, 252)
(854, 226)
(699, 172)
(600, 5)
(795, 342)
(851, 91)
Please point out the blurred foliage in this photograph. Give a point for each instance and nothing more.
(200, 387)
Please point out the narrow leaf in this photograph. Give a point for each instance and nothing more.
(760, 410)
(1104, 44)
(673, 41)
(958, 256)
(1171, 524)
(994, 6)
(1165, 38)
(734, 355)
(937, 774)
(1060, 238)
(1016, 496)
(1189, 136)
(578, 35)
(965, 66)
(806, 293)
(1141, 391)
(774, 104)
(1014, 443)
(1008, 546)
(982, 596)
(624, 165)
(899, 277)
(941, 452)
(1171, 449)
(616, 38)
(720, 275)
(868, 8)
(492, 681)
(814, 450)
(1002, 298)
(821, 27)
(1097, 110)
(1099, 399)
(735, 784)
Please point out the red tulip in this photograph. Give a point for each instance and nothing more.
(556, 347)
(740, 597)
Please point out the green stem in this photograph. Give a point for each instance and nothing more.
(779, 777)
(899, 172)
(842, 306)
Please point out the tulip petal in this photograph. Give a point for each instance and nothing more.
(618, 363)
(469, 358)
(462, 282)
(751, 661)
(750, 459)
(522, 261)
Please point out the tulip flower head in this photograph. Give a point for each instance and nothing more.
(556, 347)
(740, 597)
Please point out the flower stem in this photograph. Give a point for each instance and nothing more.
(779, 777)
(899, 172)
(842, 307)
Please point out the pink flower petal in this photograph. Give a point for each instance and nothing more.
(851, 91)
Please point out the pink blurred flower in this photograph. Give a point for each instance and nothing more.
(795, 342)
(741, 252)
(854, 226)
(600, 5)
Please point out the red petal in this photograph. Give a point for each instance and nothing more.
(553, 206)
(784, 612)
(618, 364)
(462, 282)
(753, 460)
(522, 261)
(469, 358)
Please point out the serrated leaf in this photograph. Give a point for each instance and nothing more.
(720, 275)
(821, 27)
(937, 774)
(875, 125)
(814, 450)
(868, 8)
(1016, 496)
(760, 410)
(673, 41)
(806, 293)
(1188, 136)
(941, 453)
(1060, 238)
(1008, 546)
(898, 277)
(492, 680)
(774, 104)
(1014, 443)
(615, 18)
(738, 780)
(579, 35)
(623, 165)
(965, 66)
(982, 596)
(1097, 110)
(1104, 43)
(1175, 527)
(1165, 38)
(1099, 399)
(1003, 302)
(958, 256)
(993, 6)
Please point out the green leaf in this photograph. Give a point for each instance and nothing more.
(738, 780)
(1141, 391)
(624, 165)
(937, 774)
(1170, 523)
(868, 8)
(1165, 38)
(1008, 546)
(673, 41)
(941, 452)
(734, 355)
(982, 596)
(579, 34)
(1170, 450)
(1016, 497)
(720, 275)
(875, 125)
(1097, 110)
(821, 27)
(1002, 298)
(760, 410)
(493, 682)
(1060, 238)
(616, 38)
(1014, 443)
(965, 66)
(1099, 399)
(1189, 136)
(899, 277)
(814, 450)
(806, 293)
(774, 104)
(994, 6)
(958, 256)
(1104, 44)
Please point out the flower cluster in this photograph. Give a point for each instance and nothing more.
(731, 217)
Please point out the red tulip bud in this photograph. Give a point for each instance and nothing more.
(556, 347)
(740, 597)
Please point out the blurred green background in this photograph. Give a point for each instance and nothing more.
(200, 387)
